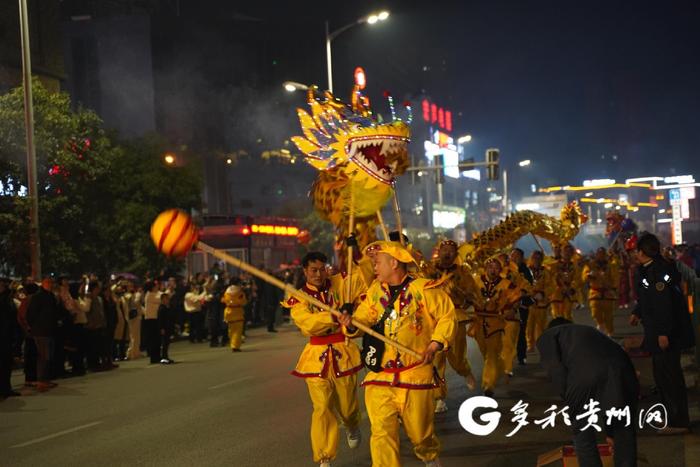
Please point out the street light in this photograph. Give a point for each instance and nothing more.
(169, 159)
(292, 86)
(464, 139)
(370, 19)
(524, 163)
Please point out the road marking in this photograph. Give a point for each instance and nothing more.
(55, 435)
(245, 378)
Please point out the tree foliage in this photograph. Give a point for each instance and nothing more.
(97, 197)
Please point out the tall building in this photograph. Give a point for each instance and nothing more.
(45, 43)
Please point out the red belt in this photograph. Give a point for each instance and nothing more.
(329, 339)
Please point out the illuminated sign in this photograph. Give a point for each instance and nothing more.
(449, 153)
(284, 230)
(474, 174)
(360, 78)
(447, 217)
(433, 114)
(680, 179)
(527, 206)
(599, 182)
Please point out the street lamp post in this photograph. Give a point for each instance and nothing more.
(34, 243)
(370, 19)
(524, 163)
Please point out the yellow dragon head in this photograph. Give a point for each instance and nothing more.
(351, 144)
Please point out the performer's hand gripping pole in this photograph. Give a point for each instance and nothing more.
(300, 295)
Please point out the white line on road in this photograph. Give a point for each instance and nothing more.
(231, 382)
(55, 435)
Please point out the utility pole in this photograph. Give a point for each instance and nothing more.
(34, 245)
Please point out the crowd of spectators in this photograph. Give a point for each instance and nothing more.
(62, 328)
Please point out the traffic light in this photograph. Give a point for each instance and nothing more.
(492, 155)
(439, 161)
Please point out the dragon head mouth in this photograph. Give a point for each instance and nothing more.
(381, 156)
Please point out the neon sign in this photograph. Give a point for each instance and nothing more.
(284, 230)
(434, 114)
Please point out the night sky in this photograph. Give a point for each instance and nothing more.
(561, 83)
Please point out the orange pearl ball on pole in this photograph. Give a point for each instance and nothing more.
(173, 232)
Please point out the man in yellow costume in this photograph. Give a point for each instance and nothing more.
(511, 330)
(537, 319)
(330, 360)
(457, 281)
(420, 316)
(566, 284)
(496, 302)
(234, 298)
(602, 279)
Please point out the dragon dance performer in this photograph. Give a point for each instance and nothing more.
(498, 298)
(457, 281)
(566, 287)
(420, 316)
(234, 298)
(512, 274)
(537, 319)
(330, 361)
(602, 278)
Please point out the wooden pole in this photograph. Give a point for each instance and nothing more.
(383, 225)
(351, 230)
(300, 295)
(397, 214)
(537, 240)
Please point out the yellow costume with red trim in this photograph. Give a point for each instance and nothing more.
(458, 282)
(497, 298)
(421, 314)
(234, 298)
(537, 319)
(602, 280)
(566, 288)
(512, 324)
(329, 363)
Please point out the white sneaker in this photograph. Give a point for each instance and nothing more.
(325, 464)
(440, 406)
(354, 437)
(433, 463)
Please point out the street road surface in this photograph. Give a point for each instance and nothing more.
(216, 408)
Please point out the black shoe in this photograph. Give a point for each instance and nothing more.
(236, 350)
(488, 393)
(522, 362)
(272, 330)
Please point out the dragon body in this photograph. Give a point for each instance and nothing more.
(522, 223)
(357, 157)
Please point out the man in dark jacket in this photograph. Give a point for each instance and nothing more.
(8, 327)
(42, 318)
(585, 364)
(518, 257)
(663, 311)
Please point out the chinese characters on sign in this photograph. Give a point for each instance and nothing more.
(654, 417)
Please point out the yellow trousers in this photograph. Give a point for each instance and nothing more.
(536, 322)
(603, 313)
(490, 348)
(385, 404)
(331, 395)
(235, 332)
(562, 310)
(510, 345)
(457, 357)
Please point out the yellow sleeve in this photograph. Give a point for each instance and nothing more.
(442, 312)
(309, 323)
